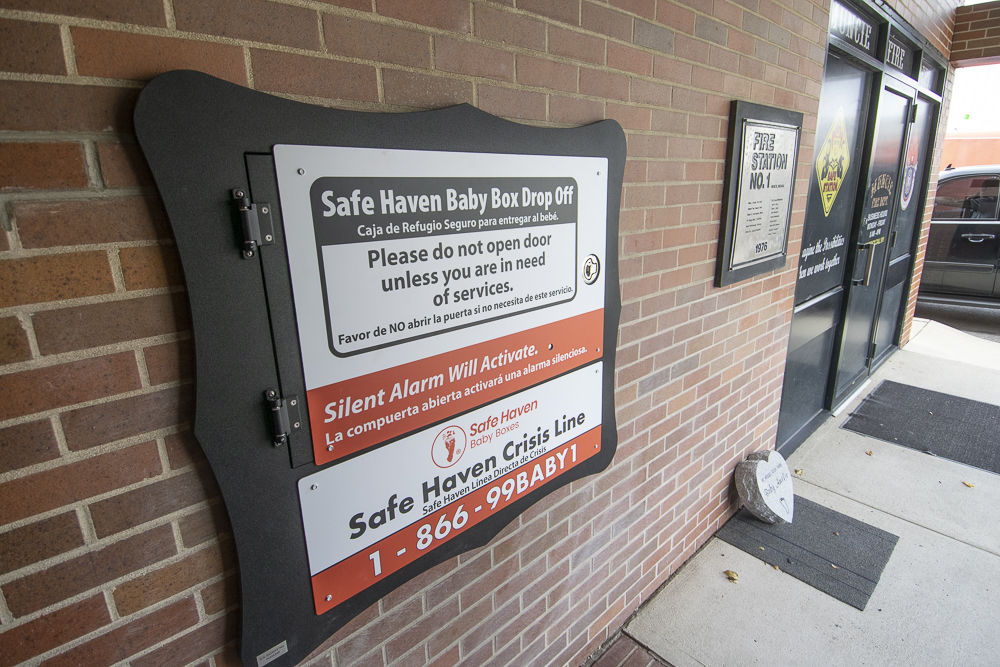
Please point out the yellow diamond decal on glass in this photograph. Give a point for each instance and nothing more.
(832, 161)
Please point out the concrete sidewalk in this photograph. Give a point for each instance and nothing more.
(939, 596)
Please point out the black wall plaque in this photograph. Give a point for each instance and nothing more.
(759, 191)
(404, 328)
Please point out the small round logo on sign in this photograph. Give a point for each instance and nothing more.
(909, 174)
(448, 446)
(591, 269)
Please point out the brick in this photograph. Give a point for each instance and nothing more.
(348, 36)
(693, 49)
(204, 525)
(567, 11)
(107, 422)
(630, 118)
(422, 629)
(547, 74)
(315, 77)
(451, 15)
(574, 110)
(519, 104)
(27, 444)
(146, 267)
(83, 327)
(92, 569)
(127, 640)
(604, 84)
(631, 60)
(170, 362)
(54, 107)
(359, 5)
(676, 17)
(39, 541)
(124, 55)
(133, 508)
(52, 630)
(647, 92)
(645, 8)
(62, 223)
(606, 21)
(576, 45)
(47, 490)
(220, 595)
(55, 277)
(424, 91)
(183, 450)
(52, 166)
(253, 20)
(165, 582)
(710, 30)
(500, 26)
(31, 391)
(654, 37)
(32, 48)
(195, 644)
(466, 58)
(143, 12)
(14, 344)
(123, 166)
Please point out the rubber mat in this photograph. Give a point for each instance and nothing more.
(948, 426)
(830, 551)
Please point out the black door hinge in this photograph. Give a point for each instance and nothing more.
(285, 416)
(255, 219)
(871, 351)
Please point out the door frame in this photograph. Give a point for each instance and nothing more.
(923, 81)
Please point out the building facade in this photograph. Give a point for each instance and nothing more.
(114, 543)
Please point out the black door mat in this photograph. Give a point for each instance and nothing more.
(929, 421)
(830, 551)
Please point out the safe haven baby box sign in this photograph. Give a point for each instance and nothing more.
(451, 319)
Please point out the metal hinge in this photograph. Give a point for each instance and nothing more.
(913, 113)
(285, 416)
(871, 350)
(255, 219)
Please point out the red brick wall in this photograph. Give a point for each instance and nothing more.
(977, 34)
(113, 541)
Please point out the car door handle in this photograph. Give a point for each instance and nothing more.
(978, 238)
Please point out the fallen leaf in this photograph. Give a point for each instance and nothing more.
(971, 486)
(776, 568)
(836, 533)
(834, 566)
(761, 548)
(799, 471)
(869, 453)
(732, 576)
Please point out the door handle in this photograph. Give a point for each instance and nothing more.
(870, 247)
(978, 238)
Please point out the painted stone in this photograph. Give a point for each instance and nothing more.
(764, 484)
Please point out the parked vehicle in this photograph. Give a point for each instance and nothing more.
(963, 251)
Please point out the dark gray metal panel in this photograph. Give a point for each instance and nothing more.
(814, 318)
(201, 136)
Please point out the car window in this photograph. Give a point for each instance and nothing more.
(970, 197)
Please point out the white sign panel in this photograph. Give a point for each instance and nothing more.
(764, 197)
(431, 486)
(450, 311)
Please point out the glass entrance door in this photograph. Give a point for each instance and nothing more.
(833, 183)
(870, 242)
